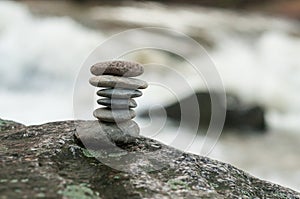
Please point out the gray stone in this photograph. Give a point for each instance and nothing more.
(93, 134)
(119, 68)
(117, 103)
(118, 115)
(117, 82)
(119, 93)
(48, 159)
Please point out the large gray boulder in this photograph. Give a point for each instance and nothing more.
(46, 161)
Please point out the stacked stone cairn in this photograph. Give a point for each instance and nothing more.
(118, 91)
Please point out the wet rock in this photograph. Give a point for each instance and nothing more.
(119, 68)
(50, 162)
(109, 81)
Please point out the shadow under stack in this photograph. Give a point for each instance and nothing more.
(119, 89)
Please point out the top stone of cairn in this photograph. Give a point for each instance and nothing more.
(117, 68)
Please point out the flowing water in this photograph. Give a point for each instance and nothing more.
(257, 57)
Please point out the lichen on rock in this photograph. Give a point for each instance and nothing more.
(46, 161)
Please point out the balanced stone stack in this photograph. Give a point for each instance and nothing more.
(119, 89)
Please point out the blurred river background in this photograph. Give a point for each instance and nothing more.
(44, 43)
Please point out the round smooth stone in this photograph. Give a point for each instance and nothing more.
(117, 82)
(119, 93)
(119, 68)
(115, 115)
(117, 103)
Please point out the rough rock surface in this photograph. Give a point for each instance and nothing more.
(45, 161)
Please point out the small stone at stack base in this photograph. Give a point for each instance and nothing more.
(94, 134)
(117, 103)
(108, 115)
(119, 93)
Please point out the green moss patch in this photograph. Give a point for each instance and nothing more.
(79, 192)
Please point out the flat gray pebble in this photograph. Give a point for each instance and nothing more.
(115, 115)
(119, 93)
(117, 103)
(119, 68)
(110, 81)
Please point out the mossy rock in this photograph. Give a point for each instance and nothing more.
(47, 161)
(9, 125)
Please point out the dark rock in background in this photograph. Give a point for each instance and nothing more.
(213, 3)
(238, 116)
(45, 161)
(285, 8)
(246, 118)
